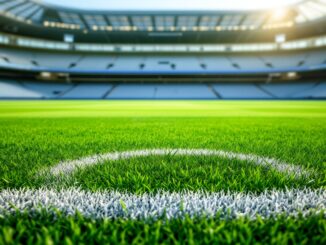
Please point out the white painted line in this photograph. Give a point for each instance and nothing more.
(68, 167)
(170, 205)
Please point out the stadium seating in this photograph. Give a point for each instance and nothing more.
(246, 62)
(14, 90)
(10, 57)
(57, 61)
(95, 62)
(287, 90)
(133, 91)
(184, 91)
(162, 91)
(241, 91)
(158, 63)
(48, 90)
(88, 91)
(219, 63)
(284, 60)
(11, 89)
(315, 92)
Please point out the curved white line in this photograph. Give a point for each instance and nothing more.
(164, 204)
(68, 167)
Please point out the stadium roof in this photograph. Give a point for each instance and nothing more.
(41, 19)
(41, 13)
(169, 4)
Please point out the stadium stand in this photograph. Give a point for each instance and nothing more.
(301, 60)
(52, 52)
(48, 90)
(184, 91)
(287, 90)
(88, 91)
(240, 91)
(39, 90)
(133, 91)
(14, 90)
(316, 92)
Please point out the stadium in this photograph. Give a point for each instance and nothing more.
(184, 122)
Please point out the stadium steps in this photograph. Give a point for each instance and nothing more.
(155, 92)
(266, 91)
(15, 90)
(311, 90)
(49, 90)
(287, 90)
(240, 91)
(107, 94)
(22, 84)
(88, 91)
(63, 93)
(214, 91)
(318, 91)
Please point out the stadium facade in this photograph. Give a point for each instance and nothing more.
(52, 52)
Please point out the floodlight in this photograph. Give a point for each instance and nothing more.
(280, 38)
(279, 14)
(68, 38)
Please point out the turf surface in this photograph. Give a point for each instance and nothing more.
(35, 135)
(72, 230)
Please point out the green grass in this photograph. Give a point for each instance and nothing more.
(42, 230)
(35, 135)
(163, 109)
(171, 173)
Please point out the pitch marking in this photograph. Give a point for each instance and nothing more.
(108, 204)
(113, 204)
(69, 167)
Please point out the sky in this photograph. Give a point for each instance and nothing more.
(171, 4)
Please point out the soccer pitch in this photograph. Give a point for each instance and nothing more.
(182, 172)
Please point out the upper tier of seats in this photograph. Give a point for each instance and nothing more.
(162, 64)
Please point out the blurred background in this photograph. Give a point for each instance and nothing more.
(57, 49)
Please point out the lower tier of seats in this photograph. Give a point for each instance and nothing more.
(13, 89)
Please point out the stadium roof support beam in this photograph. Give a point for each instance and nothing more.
(8, 5)
(34, 12)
